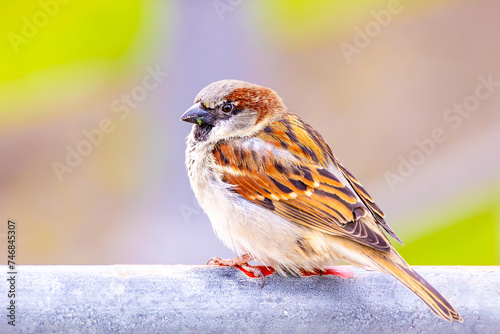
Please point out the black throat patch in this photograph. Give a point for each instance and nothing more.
(202, 131)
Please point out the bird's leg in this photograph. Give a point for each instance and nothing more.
(241, 262)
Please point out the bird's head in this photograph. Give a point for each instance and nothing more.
(232, 108)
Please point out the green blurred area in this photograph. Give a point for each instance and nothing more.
(475, 235)
(46, 33)
(62, 51)
(458, 234)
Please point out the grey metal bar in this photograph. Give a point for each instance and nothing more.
(200, 299)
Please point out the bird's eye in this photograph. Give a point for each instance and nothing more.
(227, 108)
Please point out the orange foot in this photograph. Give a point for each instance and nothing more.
(241, 262)
(337, 271)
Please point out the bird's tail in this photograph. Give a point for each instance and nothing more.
(393, 264)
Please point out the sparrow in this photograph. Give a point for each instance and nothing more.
(275, 193)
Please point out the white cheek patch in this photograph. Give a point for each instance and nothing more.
(239, 125)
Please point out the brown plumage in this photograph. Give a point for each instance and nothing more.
(274, 190)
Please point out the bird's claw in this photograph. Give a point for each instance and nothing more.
(255, 271)
(214, 261)
(241, 262)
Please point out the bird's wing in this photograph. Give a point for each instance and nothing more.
(287, 169)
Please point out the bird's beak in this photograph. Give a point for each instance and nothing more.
(197, 115)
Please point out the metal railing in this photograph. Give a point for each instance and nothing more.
(201, 299)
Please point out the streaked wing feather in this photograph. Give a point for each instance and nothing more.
(368, 201)
(300, 188)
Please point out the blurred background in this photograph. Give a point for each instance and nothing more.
(407, 93)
